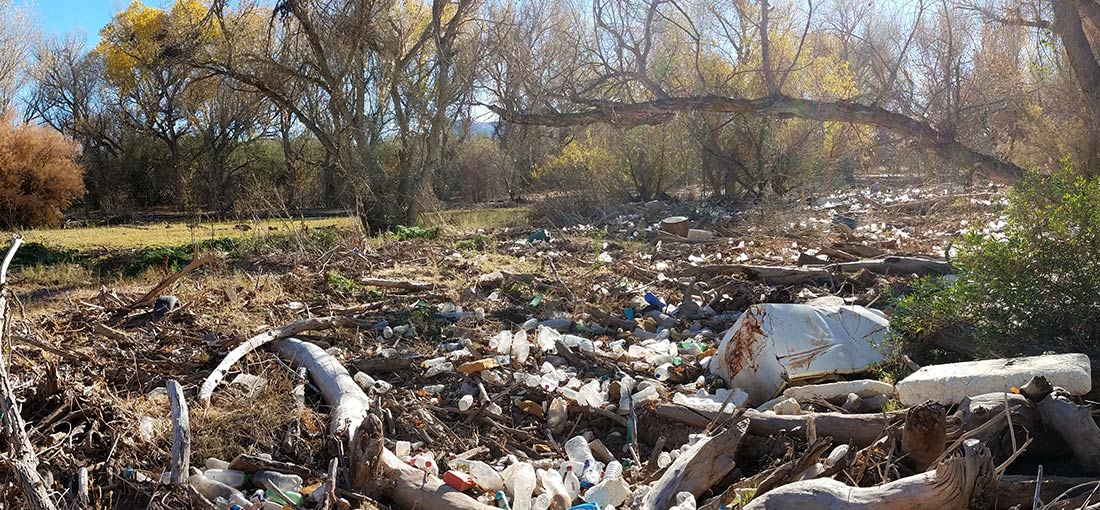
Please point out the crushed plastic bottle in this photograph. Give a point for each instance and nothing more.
(425, 462)
(213, 489)
(230, 477)
(608, 492)
(519, 478)
(483, 474)
(439, 369)
(521, 348)
(613, 470)
(285, 482)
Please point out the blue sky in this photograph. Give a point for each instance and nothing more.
(84, 16)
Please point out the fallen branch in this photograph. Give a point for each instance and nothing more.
(255, 342)
(167, 282)
(1073, 422)
(960, 483)
(23, 459)
(704, 464)
(859, 430)
(397, 284)
(409, 487)
(795, 275)
(181, 435)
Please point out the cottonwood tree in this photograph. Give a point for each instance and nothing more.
(18, 36)
(622, 76)
(363, 76)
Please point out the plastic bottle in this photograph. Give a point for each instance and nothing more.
(429, 363)
(554, 488)
(273, 496)
(501, 500)
(483, 474)
(216, 463)
(426, 462)
(613, 470)
(648, 394)
(547, 338)
(503, 341)
(548, 382)
(455, 346)
(685, 500)
(558, 413)
(493, 408)
(661, 373)
(285, 482)
(521, 348)
(371, 384)
(439, 369)
(434, 389)
(230, 477)
(466, 402)
(522, 482)
(213, 489)
(529, 324)
(578, 450)
(608, 492)
(572, 484)
(663, 460)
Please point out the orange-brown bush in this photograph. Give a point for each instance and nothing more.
(39, 175)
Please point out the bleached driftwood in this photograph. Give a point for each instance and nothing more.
(957, 484)
(181, 435)
(81, 498)
(257, 341)
(859, 430)
(411, 488)
(23, 459)
(704, 464)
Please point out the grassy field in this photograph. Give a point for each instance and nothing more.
(120, 237)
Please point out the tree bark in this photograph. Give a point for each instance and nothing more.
(924, 435)
(181, 435)
(1072, 421)
(659, 111)
(1067, 24)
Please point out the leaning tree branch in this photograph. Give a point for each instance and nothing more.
(659, 111)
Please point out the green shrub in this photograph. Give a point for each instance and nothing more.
(1031, 288)
(403, 233)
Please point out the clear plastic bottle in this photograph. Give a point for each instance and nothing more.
(439, 369)
(230, 477)
(434, 389)
(529, 324)
(613, 470)
(213, 489)
(484, 475)
(578, 450)
(503, 341)
(285, 482)
(661, 373)
(608, 492)
(521, 348)
(522, 480)
(216, 463)
(648, 394)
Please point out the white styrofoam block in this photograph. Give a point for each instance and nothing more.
(950, 383)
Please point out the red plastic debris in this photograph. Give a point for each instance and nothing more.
(458, 480)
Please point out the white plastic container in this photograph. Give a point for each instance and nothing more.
(230, 477)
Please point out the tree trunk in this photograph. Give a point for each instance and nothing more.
(1067, 23)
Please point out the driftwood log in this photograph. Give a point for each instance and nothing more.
(255, 342)
(794, 275)
(409, 487)
(924, 435)
(859, 430)
(957, 484)
(1073, 422)
(396, 284)
(704, 464)
(23, 459)
(1019, 490)
(180, 462)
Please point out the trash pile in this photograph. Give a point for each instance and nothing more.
(555, 370)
